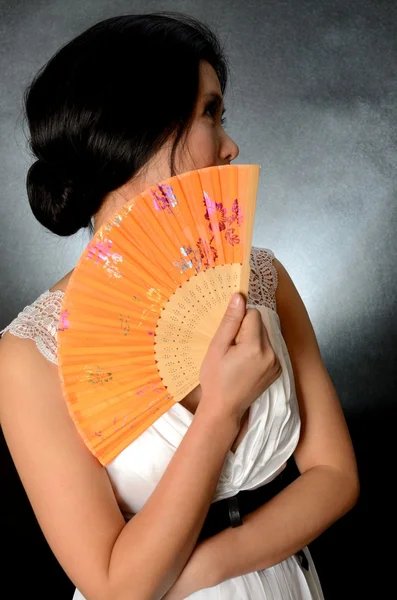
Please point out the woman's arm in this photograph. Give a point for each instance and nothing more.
(327, 488)
(72, 496)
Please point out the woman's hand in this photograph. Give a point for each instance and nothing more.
(240, 363)
(197, 575)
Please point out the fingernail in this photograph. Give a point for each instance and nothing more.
(235, 300)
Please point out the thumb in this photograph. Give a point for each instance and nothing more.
(230, 324)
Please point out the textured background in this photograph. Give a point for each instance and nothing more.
(313, 100)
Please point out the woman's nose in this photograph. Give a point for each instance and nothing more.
(230, 150)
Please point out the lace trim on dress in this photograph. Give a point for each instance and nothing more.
(39, 321)
(264, 279)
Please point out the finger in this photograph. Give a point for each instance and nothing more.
(252, 329)
(230, 324)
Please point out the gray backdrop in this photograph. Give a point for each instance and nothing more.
(313, 100)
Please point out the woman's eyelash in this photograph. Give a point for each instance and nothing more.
(212, 109)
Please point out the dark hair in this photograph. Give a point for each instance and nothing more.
(105, 103)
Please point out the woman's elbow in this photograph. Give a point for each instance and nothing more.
(349, 489)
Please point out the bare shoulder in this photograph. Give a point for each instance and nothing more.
(31, 396)
(15, 351)
(284, 282)
(69, 490)
(291, 309)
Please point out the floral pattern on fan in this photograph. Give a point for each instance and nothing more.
(116, 222)
(97, 375)
(164, 198)
(63, 321)
(208, 253)
(191, 258)
(224, 221)
(101, 251)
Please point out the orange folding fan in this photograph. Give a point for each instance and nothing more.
(146, 298)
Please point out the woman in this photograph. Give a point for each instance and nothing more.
(129, 102)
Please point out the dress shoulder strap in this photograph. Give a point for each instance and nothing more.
(263, 279)
(39, 322)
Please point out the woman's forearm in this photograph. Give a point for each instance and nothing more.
(281, 527)
(153, 548)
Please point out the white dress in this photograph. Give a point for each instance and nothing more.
(271, 438)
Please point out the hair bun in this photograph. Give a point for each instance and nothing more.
(59, 200)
